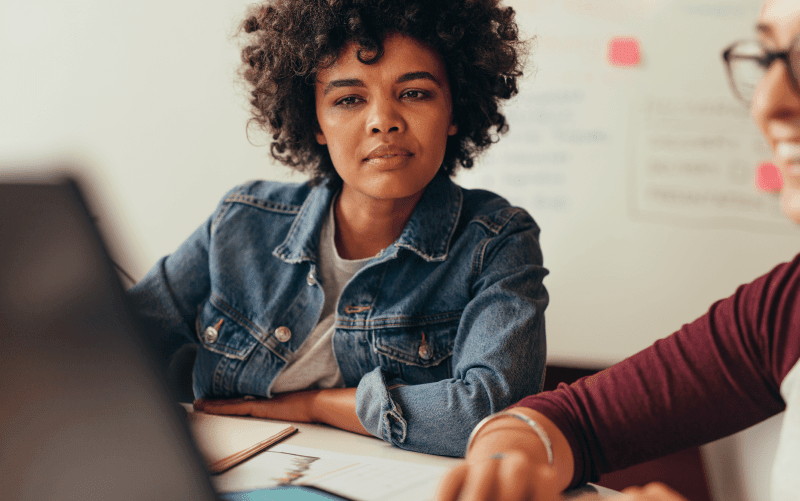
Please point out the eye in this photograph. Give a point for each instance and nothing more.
(347, 101)
(415, 94)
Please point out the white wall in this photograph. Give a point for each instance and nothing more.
(142, 96)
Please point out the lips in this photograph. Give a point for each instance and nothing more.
(387, 152)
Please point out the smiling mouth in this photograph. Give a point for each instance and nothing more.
(788, 152)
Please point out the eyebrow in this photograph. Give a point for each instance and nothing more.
(417, 75)
(354, 82)
(346, 82)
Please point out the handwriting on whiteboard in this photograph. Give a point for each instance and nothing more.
(694, 161)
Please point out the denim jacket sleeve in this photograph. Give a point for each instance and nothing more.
(166, 299)
(498, 356)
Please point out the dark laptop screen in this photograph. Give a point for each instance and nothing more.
(86, 413)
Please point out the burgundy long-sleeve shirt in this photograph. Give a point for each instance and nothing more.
(717, 375)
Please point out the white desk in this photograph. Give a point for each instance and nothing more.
(332, 439)
(325, 437)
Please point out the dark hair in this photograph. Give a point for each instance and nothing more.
(291, 39)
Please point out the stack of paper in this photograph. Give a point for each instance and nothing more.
(355, 477)
(226, 441)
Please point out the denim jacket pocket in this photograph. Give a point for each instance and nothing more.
(218, 331)
(416, 353)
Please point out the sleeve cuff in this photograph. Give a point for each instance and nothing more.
(378, 413)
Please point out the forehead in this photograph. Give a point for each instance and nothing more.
(783, 19)
(401, 54)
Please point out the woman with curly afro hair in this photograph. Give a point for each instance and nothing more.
(378, 297)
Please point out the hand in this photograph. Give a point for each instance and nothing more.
(654, 491)
(295, 406)
(504, 477)
(507, 460)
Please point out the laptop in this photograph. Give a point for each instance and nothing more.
(87, 413)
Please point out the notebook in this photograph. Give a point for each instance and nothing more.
(87, 412)
(225, 441)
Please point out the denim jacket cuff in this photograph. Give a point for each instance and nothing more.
(376, 410)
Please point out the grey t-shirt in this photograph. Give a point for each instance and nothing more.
(314, 365)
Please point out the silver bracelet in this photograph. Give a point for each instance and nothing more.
(525, 419)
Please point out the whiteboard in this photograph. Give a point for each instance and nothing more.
(640, 177)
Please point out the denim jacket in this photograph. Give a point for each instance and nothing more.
(440, 329)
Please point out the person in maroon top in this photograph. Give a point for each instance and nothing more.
(735, 366)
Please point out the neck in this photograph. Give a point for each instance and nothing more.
(366, 226)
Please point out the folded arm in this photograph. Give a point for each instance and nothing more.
(498, 357)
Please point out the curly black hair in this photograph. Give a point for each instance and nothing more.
(292, 39)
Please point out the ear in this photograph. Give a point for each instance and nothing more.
(321, 138)
(451, 131)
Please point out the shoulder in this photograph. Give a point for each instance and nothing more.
(495, 213)
(499, 235)
(251, 202)
(270, 196)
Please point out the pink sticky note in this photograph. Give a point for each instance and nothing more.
(768, 178)
(623, 51)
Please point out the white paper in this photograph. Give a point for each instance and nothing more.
(219, 437)
(362, 478)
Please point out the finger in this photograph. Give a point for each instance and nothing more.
(514, 478)
(654, 491)
(451, 484)
(659, 489)
(632, 494)
(544, 484)
(481, 482)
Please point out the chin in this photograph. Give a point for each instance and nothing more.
(393, 189)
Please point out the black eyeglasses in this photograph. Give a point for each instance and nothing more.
(748, 61)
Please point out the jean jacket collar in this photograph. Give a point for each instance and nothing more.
(427, 233)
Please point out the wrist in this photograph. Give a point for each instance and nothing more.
(509, 434)
(310, 405)
(508, 431)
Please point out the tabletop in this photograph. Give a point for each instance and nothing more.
(324, 437)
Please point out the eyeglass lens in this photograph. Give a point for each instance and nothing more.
(749, 61)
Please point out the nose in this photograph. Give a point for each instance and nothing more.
(385, 117)
(776, 97)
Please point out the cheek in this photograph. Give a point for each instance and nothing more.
(439, 127)
(757, 109)
(342, 147)
(790, 203)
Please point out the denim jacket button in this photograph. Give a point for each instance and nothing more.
(311, 279)
(283, 334)
(424, 352)
(211, 334)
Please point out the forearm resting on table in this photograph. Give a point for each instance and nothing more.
(335, 407)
